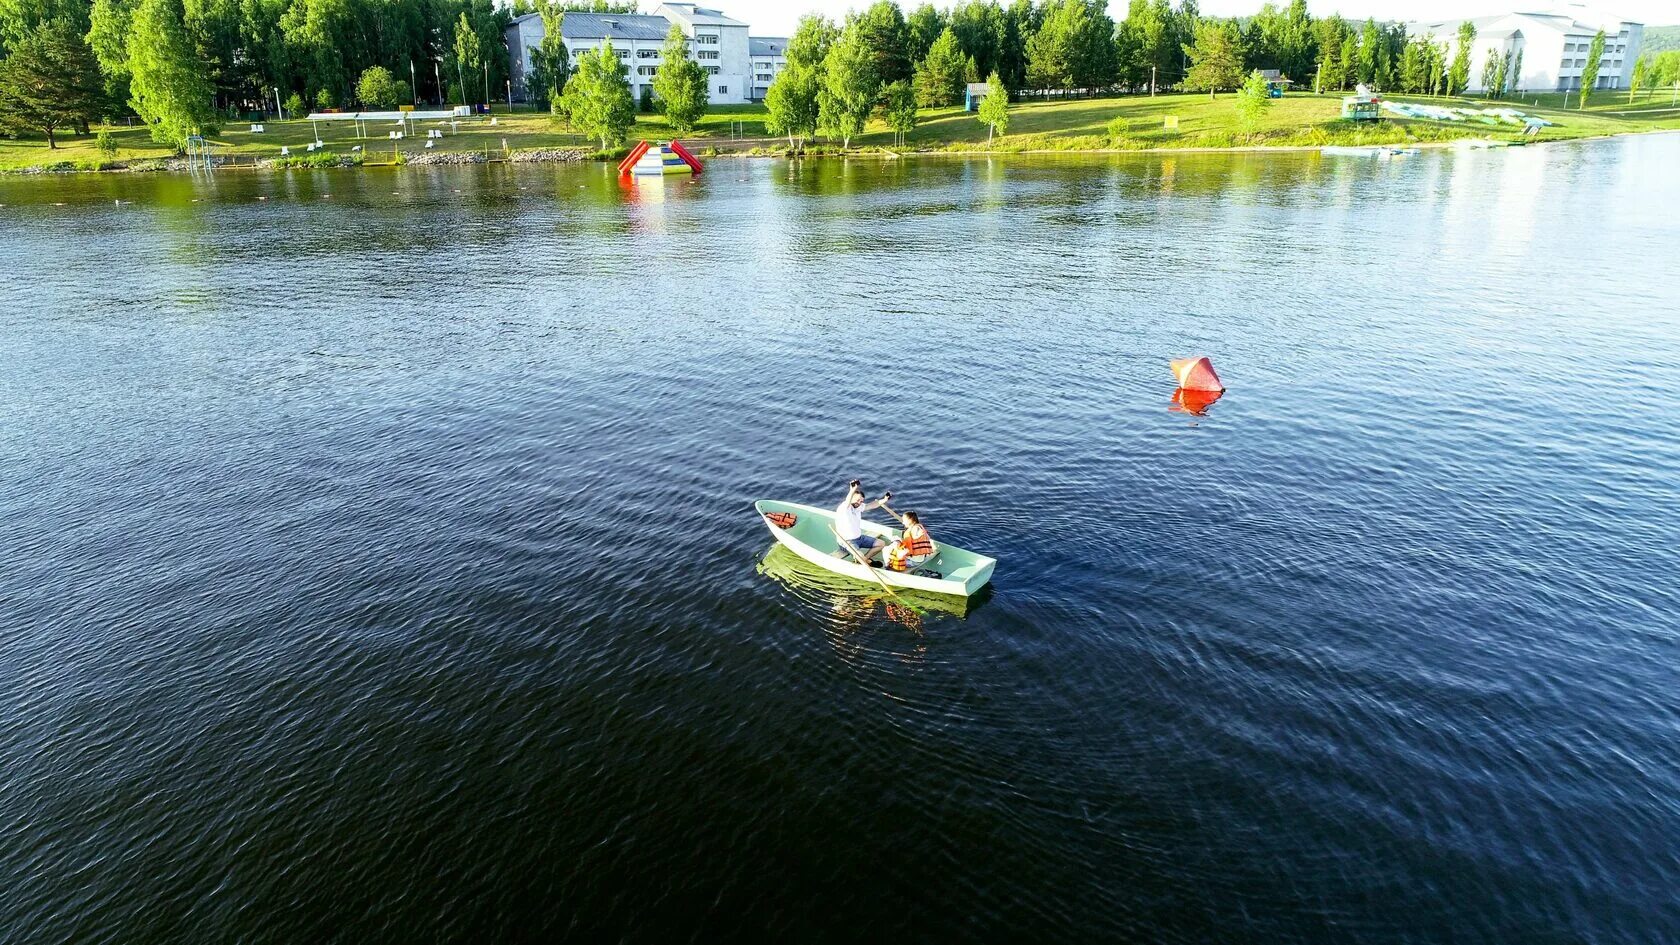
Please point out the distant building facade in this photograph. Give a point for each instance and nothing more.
(1554, 47)
(769, 58)
(738, 72)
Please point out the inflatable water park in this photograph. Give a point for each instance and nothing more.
(659, 160)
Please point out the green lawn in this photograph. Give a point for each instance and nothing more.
(1081, 124)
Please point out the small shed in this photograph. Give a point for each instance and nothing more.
(1362, 107)
(973, 94)
(1276, 82)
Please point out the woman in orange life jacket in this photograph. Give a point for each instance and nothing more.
(913, 548)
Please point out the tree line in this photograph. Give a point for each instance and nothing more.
(184, 66)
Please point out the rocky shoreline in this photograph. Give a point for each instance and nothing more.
(423, 159)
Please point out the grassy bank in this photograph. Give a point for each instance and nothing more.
(1124, 123)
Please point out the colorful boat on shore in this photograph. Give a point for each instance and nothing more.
(809, 532)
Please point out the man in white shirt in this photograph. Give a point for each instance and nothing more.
(848, 523)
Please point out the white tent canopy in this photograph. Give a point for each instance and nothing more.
(380, 116)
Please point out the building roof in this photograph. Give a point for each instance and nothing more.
(697, 15)
(614, 26)
(767, 45)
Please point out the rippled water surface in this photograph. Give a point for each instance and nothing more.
(379, 563)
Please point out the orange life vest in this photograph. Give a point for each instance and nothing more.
(913, 544)
(782, 519)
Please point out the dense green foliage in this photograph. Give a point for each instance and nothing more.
(597, 99)
(1216, 58)
(899, 102)
(792, 103)
(680, 84)
(184, 64)
(168, 84)
(849, 88)
(378, 89)
(1661, 39)
(942, 72)
(1458, 77)
(49, 82)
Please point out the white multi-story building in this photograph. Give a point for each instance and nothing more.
(769, 58)
(1553, 45)
(718, 43)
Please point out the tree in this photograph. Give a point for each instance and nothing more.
(108, 25)
(811, 40)
(681, 84)
(550, 61)
(939, 79)
(597, 99)
(1253, 100)
(1513, 74)
(900, 101)
(378, 88)
(50, 81)
(466, 48)
(849, 87)
(295, 106)
(1589, 72)
(1458, 77)
(994, 108)
(1414, 65)
(923, 27)
(1216, 62)
(1641, 76)
(792, 103)
(169, 85)
(1437, 69)
(886, 37)
(1073, 47)
(1492, 76)
(1370, 44)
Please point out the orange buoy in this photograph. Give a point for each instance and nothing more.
(1196, 374)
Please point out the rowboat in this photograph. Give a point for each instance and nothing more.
(819, 586)
(950, 571)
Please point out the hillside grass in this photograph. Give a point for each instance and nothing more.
(1298, 120)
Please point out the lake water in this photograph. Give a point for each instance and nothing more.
(379, 563)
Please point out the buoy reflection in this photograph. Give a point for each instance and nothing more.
(1194, 402)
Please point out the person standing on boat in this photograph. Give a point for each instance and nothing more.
(848, 522)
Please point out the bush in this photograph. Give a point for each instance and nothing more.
(378, 89)
(323, 99)
(646, 103)
(295, 106)
(106, 143)
(1118, 129)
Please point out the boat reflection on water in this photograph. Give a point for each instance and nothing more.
(1197, 403)
(856, 602)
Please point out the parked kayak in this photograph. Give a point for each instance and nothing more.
(808, 534)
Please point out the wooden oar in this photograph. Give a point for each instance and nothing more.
(863, 561)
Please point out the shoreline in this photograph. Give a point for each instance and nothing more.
(564, 155)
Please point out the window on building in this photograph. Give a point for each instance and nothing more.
(723, 90)
(763, 77)
(646, 53)
(623, 53)
(647, 70)
(707, 54)
(714, 70)
(706, 39)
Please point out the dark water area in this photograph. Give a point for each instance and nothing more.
(379, 562)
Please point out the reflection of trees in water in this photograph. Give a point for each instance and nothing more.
(862, 623)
